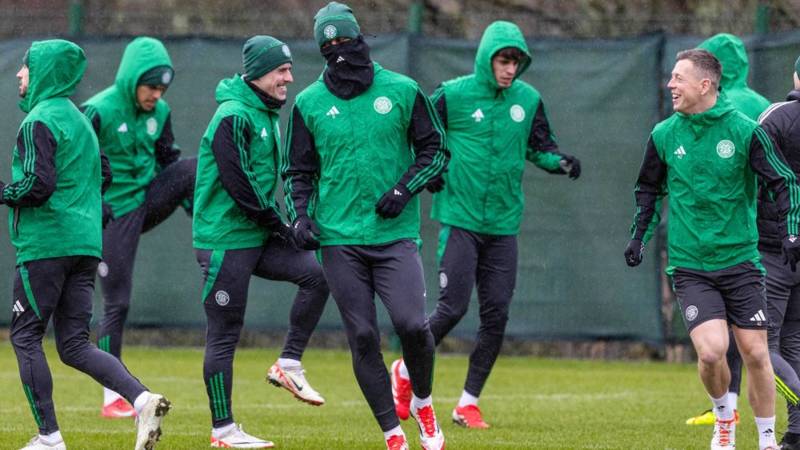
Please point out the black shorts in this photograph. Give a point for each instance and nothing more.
(735, 294)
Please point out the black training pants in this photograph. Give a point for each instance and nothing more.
(227, 279)
(171, 188)
(490, 262)
(355, 273)
(60, 288)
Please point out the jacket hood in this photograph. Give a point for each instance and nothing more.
(235, 88)
(56, 67)
(499, 35)
(732, 54)
(700, 121)
(141, 55)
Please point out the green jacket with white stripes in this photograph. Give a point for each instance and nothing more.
(55, 189)
(342, 155)
(708, 163)
(237, 170)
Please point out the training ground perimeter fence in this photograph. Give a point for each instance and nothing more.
(603, 98)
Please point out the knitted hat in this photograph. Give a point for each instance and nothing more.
(262, 54)
(333, 21)
(157, 76)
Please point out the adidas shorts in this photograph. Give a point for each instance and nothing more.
(736, 294)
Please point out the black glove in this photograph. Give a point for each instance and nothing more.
(108, 214)
(436, 184)
(571, 166)
(791, 251)
(304, 233)
(284, 232)
(393, 202)
(634, 252)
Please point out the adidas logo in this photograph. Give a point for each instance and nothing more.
(339, 59)
(680, 152)
(396, 192)
(18, 307)
(477, 115)
(263, 133)
(333, 112)
(123, 128)
(759, 317)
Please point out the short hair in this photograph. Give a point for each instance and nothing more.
(512, 53)
(705, 62)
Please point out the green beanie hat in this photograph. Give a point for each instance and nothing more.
(335, 20)
(157, 76)
(262, 54)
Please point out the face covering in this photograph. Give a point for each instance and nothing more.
(349, 72)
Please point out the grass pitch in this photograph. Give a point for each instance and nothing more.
(531, 404)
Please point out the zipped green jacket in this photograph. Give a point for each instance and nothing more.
(128, 136)
(491, 132)
(237, 170)
(343, 155)
(708, 163)
(55, 169)
(732, 54)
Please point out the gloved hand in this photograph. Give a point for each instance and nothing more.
(283, 231)
(634, 252)
(304, 233)
(435, 185)
(108, 214)
(393, 201)
(571, 166)
(791, 251)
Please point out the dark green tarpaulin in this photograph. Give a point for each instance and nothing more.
(603, 97)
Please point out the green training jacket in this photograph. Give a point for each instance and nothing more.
(708, 163)
(732, 54)
(343, 155)
(55, 170)
(491, 132)
(237, 169)
(128, 135)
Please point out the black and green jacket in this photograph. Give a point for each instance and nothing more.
(342, 155)
(136, 142)
(491, 132)
(237, 170)
(708, 163)
(55, 189)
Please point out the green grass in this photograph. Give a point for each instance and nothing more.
(531, 404)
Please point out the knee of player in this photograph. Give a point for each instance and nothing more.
(710, 356)
(411, 329)
(23, 339)
(71, 353)
(756, 357)
(365, 342)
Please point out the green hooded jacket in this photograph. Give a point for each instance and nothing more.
(732, 54)
(361, 148)
(128, 134)
(68, 222)
(707, 163)
(488, 132)
(219, 223)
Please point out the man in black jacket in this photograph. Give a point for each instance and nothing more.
(782, 122)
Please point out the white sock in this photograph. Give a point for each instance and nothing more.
(222, 431)
(467, 399)
(766, 431)
(52, 438)
(393, 432)
(140, 401)
(722, 410)
(289, 364)
(404, 370)
(733, 400)
(109, 396)
(417, 403)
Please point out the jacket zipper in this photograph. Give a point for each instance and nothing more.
(16, 221)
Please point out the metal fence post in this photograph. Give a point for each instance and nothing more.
(75, 17)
